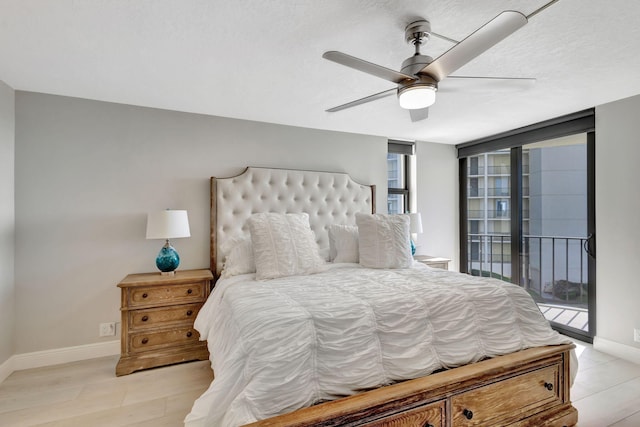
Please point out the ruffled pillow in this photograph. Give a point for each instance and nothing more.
(384, 240)
(238, 257)
(283, 245)
(343, 243)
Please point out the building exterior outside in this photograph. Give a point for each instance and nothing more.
(556, 259)
(396, 179)
(554, 197)
(489, 215)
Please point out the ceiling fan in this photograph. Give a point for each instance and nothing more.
(420, 75)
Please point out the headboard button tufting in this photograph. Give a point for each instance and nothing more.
(327, 197)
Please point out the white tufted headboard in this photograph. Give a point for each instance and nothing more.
(328, 198)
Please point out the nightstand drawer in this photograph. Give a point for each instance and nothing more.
(154, 340)
(159, 317)
(173, 294)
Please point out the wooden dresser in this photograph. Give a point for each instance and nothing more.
(157, 319)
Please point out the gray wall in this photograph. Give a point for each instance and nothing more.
(7, 222)
(437, 183)
(618, 220)
(87, 172)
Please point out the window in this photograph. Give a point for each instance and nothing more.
(500, 186)
(502, 208)
(398, 175)
(473, 188)
(473, 166)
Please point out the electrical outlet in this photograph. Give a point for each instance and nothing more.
(107, 329)
(636, 335)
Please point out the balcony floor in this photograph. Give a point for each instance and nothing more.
(577, 318)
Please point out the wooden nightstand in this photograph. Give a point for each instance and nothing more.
(157, 319)
(432, 261)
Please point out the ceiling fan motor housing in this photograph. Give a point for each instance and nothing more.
(418, 31)
(414, 64)
(419, 93)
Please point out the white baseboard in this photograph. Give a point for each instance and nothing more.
(6, 369)
(56, 356)
(623, 351)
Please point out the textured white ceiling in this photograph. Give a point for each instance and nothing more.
(262, 60)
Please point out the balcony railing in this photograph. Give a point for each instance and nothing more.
(499, 191)
(493, 214)
(488, 251)
(493, 192)
(475, 192)
(554, 268)
(494, 170)
(487, 213)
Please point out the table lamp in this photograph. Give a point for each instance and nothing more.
(415, 227)
(167, 224)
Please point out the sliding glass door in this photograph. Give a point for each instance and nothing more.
(528, 215)
(556, 236)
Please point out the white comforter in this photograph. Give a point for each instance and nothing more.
(283, 344)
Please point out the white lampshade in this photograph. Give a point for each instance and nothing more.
(417, 97)
(169, 224)
(415, 224)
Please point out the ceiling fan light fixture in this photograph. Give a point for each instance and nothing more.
(417, 96)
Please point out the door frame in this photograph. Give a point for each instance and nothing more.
(576, 123)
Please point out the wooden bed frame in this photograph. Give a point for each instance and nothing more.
(527, 388)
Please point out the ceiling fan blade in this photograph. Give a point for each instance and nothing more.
(476, 43)
(364, 100)
(367, 67)
(485, 84)
(420, 114)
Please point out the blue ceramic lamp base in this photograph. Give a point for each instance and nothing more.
(167, 260)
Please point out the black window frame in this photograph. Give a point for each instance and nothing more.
(571, 124)
(407, 149)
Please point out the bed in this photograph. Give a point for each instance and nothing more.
(371, 338)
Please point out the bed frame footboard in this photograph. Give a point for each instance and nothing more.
(523, 389)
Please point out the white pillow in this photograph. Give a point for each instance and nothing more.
(238, 257)
(343, 243)
(384, 240)
(283, 245)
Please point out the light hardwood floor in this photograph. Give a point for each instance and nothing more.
(606, 393)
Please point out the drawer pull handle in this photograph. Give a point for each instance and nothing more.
(189, 291)
(189, 334)
(145, 340)
(145, 318)
(189, 313)
(144, 295)
(427, 424)
(548, 386)
(468, 414)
